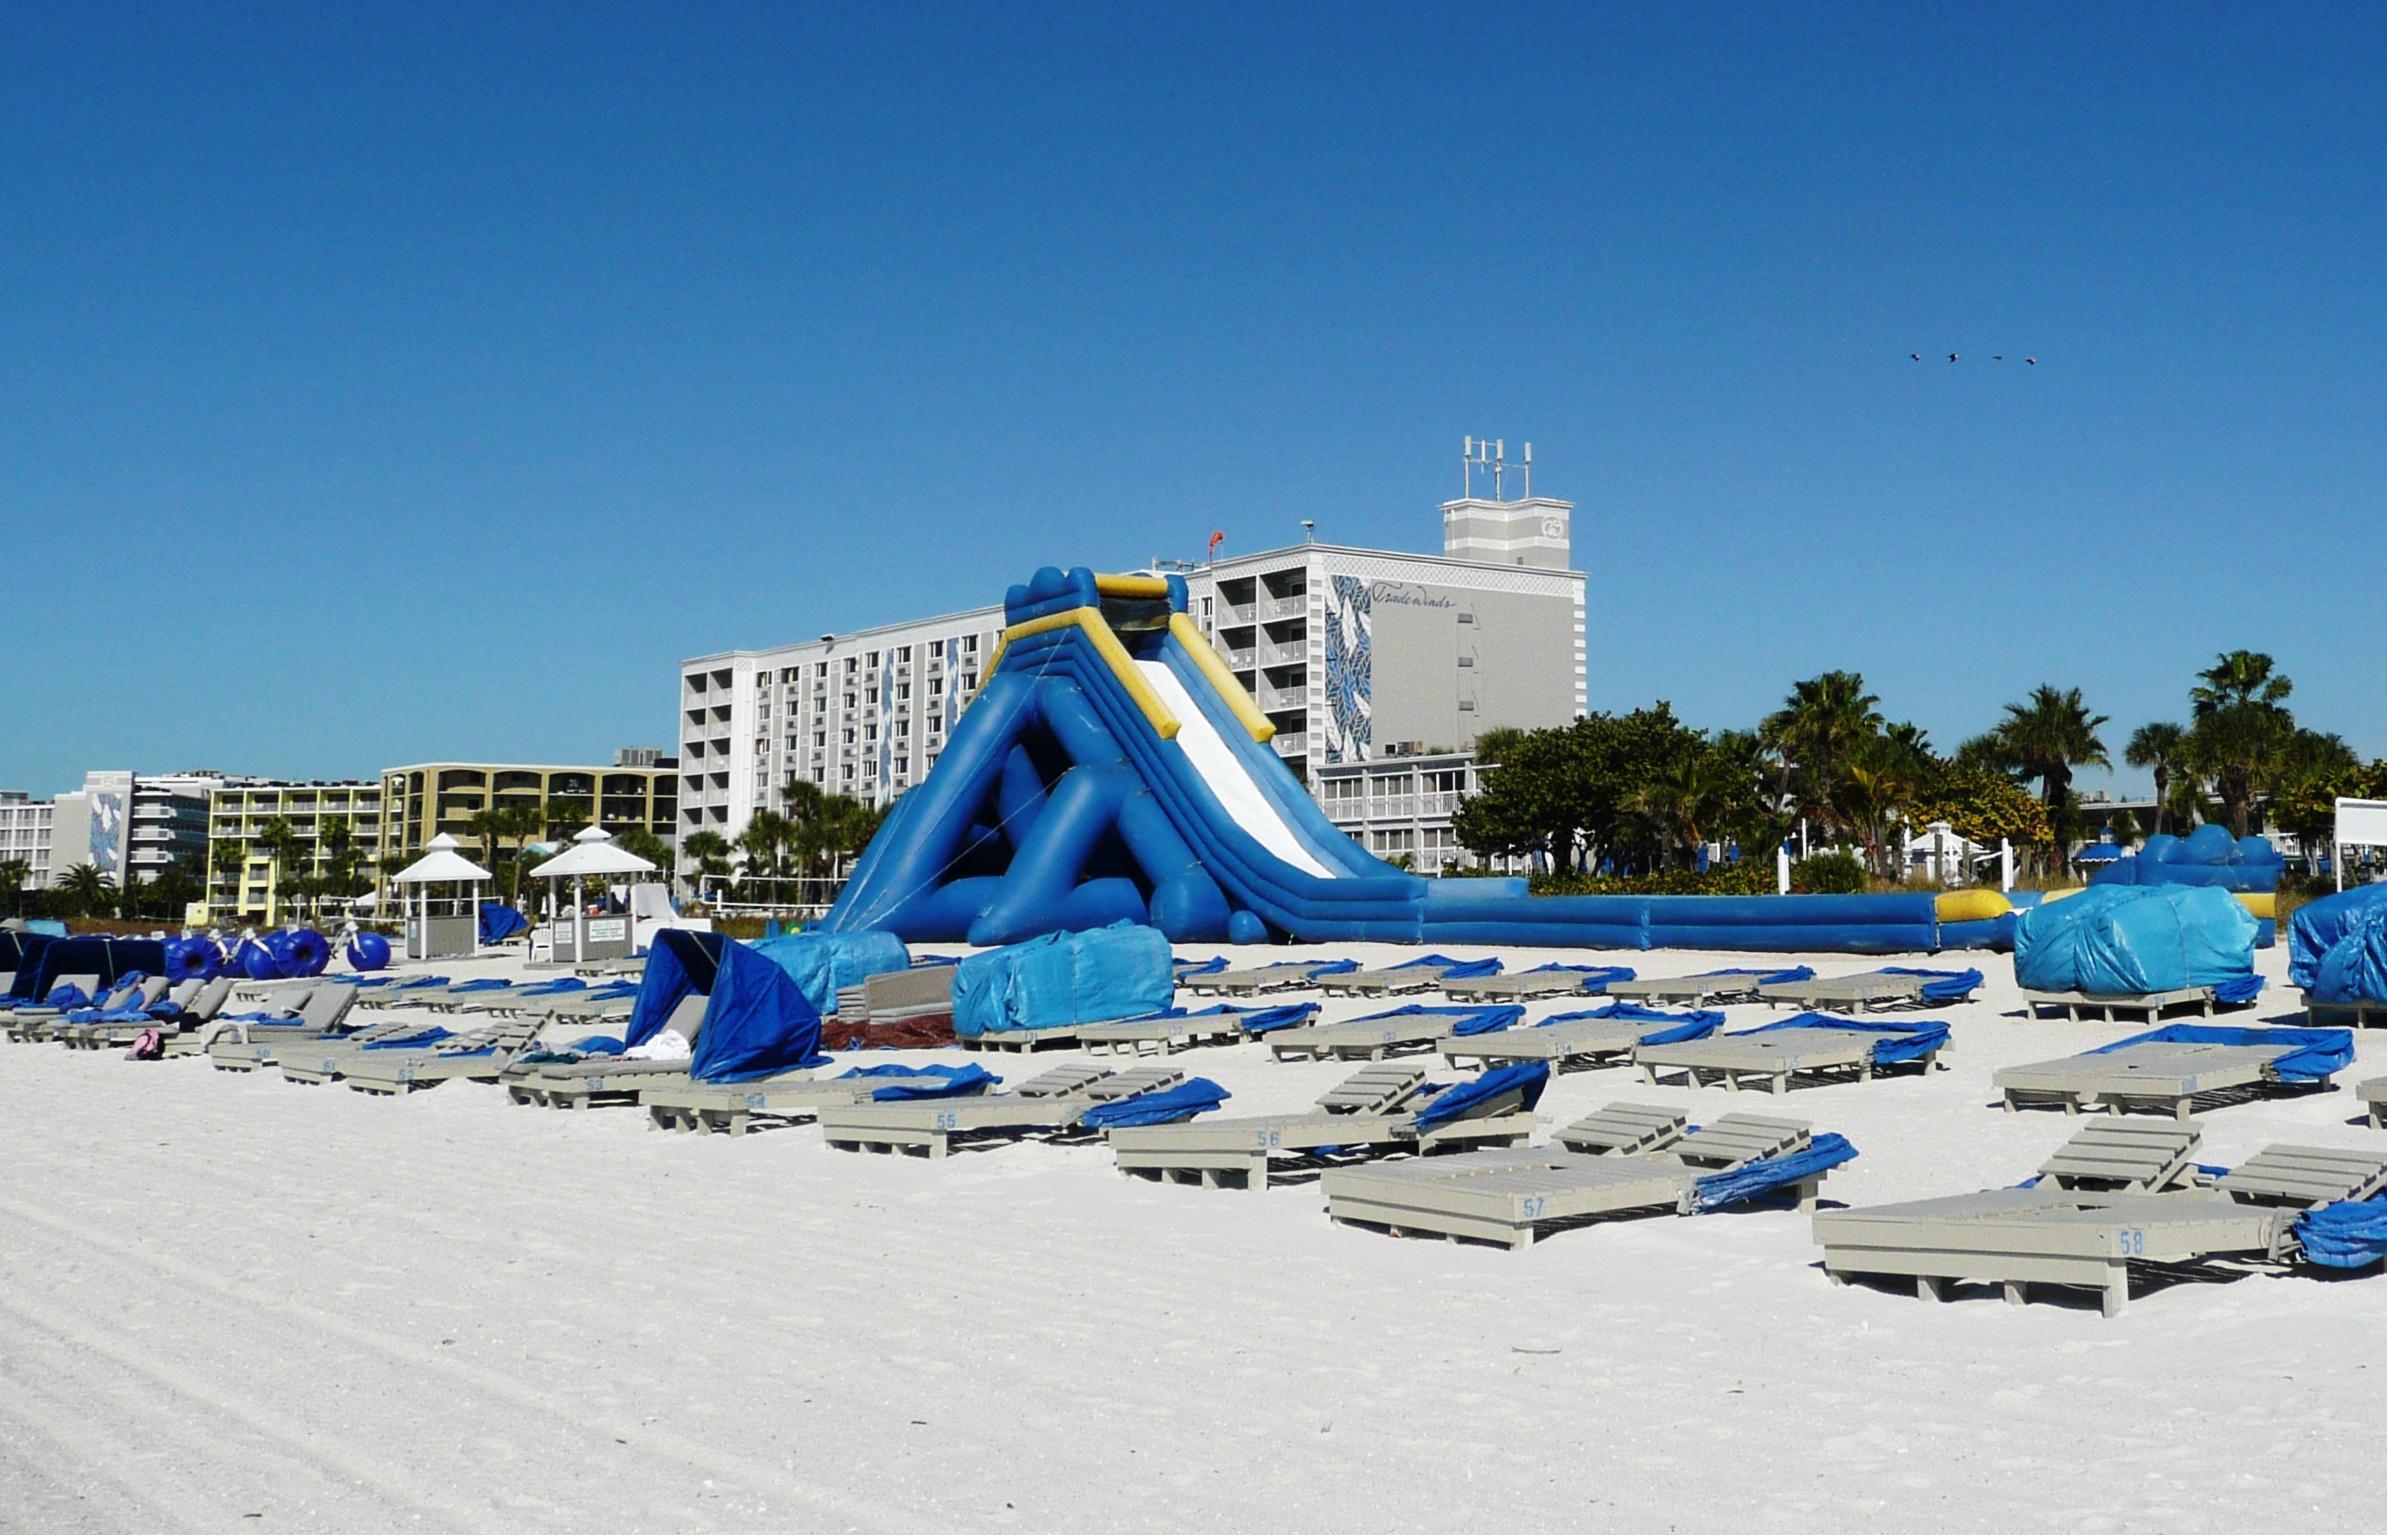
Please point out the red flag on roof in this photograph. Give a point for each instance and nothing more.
(1216, 539)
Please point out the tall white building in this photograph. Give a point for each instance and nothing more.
(127, 825)
(1355, 654)
(25, 824)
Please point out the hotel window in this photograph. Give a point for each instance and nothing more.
(936, 650)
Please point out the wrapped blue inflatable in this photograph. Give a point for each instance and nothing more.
(2126, 940)
(368, 951)
(823, 964)
(2354, 970)
(2318, 925)
(1061, 980)
(756, 1021)
(2207, 856)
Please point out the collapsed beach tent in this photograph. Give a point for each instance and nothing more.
(2130, 940)
(756, 1021)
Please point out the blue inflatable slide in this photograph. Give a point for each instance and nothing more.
(1112, 769)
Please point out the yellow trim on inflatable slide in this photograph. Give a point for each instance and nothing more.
(1972, 905)
(2065, 894)
(2262, 904)
(1212, 666)
(1107, 646)
(1132, 586)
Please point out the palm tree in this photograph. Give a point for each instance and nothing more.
(2243, 733)
(1684, 799)
(563, 815)
(86, 888)
(2160, 748)
(764, 843)
(13, 874)
(2048, 735)
(1815, 730)
(489, 825)
(708, 854)
(282, 846)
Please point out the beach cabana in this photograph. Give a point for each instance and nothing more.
(440, 894)
(593, 855)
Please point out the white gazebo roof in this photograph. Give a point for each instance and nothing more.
(440, 861)
(593, 852)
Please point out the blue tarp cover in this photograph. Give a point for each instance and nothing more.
(1452, 969)
(824, 964)
(500, 922)
(2208, 856)
(2321, 1053)
(1766, 1175)
(1457, 1102)
(2317, 926)
(1903, 1039)
(1169, 1106)
(1211, 966)
(2350, 1234)
(1943, 985)
(1764, 975)
(2355, 968)
(1601, 975)
(1061, 980)
(2128, 940)
(903, 1082)
(1468, 1020)
(1672, 1028)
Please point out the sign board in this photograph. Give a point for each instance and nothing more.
(2360, 823)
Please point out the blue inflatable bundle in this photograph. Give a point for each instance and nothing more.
(823, 964)
(2318, 927)
(2207, 856)
(2127, 940)
(1061, 980)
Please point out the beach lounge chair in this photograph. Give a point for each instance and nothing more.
(2150, 1006)
(126, 1000)
(1402, 1031)
(479, 1055)
(1727, 985)
(1048, 1104)
(336, 1059)
(1811, 1045)
(1601, 1036)
(1175, 1028)
(1870, 990)
(1511, 1198)
(2175, 1066)
(482, 993)
(896, 997)
(2082, 1238)
(2374, 1101)
(1540, 981)
(1285, 975)
(1381, 1110)
(2362, 1013)
(32, 1020)
(256, 1036)
(732, 1108)
(1421, 974)
(581, 1083)
(185, 1008)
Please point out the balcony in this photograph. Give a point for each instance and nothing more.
(1274, 652)
(1276, 699)
(1296, 744)
(1295, 606)
(1240, 658)
(1235, 615)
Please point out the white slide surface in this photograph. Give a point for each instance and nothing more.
(1223, 772)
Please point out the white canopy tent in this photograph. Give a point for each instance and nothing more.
(430, 910)
(593, 853)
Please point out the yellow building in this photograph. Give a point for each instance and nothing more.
(330, 822)
(421, 800)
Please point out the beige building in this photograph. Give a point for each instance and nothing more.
(421, 800)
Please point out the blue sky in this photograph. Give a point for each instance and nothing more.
(383, 385)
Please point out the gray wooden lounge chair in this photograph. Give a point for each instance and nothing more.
(2129, 1158)
(253, 1044)
(2152, 1074)
(1509, 1198)
(1522, 985)
(1772, 1058)
(1367, 1039)
(145, 993)
(900, 996)
(1386, 980)
(733, 1108)
(1047, 1104)
(1622, 1129)
(2153, 1006)
(1160, 1036)
(1574, 1043)
(335, 1060)
(33, 1020)
(604, 1079)
(394, 1073)
(1862, 992)
(1371, 1113)
(2363, 1013)
(2374, 1100)
(198, 1000)
(1284, 975)
(1696, 990)
(2081, 1239)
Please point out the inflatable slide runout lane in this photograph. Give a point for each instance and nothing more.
(1112, 769)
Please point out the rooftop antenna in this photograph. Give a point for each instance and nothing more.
(1529, 471)
(1480, 455)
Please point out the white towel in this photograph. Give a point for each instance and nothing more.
(670, 1045)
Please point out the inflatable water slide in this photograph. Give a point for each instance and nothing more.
(1112, 769)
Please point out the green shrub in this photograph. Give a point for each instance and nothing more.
(1829, 874)
(1744, 878)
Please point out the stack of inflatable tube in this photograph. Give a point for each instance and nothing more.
(2207, 856)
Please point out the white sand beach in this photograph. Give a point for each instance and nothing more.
(228, 1303)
